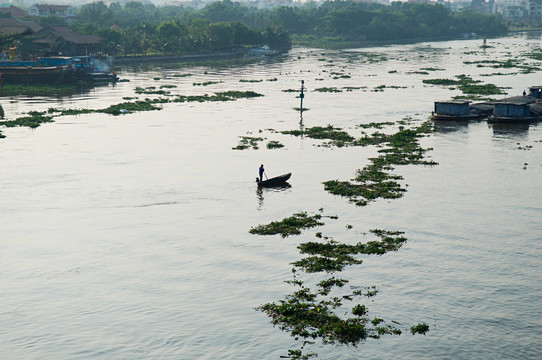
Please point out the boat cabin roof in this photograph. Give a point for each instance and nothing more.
(458, 102)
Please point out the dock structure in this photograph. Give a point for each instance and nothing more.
(515, 109)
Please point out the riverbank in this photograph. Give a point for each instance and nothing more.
(135, 59)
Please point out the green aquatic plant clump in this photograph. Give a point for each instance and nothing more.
(288, 226)
(320, 314)
(332, 256)
(43, 89)
(206, 83)
(375, 180)
(376, 125)
(337, 135)
(219, 96)
(274, 144)
(328, 89)
(467, 85)
(248, 142)
(33, 120)
(130, 107)
(419, 329)
(151, 90)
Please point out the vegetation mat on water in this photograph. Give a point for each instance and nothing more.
(467, 85)
(44, 89)
(248, 142)
(337, 135)
(288, 226)
(35, 119)
(375, 181)
(332, 312)
(507, 64)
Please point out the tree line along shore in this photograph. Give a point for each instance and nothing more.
(136, 28)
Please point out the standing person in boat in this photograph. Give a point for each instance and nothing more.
(262, 170)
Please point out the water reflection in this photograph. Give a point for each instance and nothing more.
(449, 126)
(521, 129)
(260, 191)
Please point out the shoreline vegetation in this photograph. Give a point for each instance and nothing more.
(134, 28)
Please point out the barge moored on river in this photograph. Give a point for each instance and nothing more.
(515, 109)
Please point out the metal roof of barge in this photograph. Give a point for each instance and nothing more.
(459, 102)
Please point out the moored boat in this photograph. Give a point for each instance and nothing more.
(28, 72)
(85, 68)
(275, 181)
(455, 110)
(515, 111)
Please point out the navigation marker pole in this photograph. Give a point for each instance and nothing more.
(301, 96)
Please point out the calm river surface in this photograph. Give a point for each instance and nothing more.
(126, 237)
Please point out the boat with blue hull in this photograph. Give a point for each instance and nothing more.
(54, 70)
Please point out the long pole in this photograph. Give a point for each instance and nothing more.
(301, 96)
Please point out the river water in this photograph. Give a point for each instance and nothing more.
(126, 237)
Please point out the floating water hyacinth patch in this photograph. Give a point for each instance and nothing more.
(322, 314)
(319, 132)
(382, 87)
(419, 329)
(248, 142)
(375, 181)
(333, 256)
(130, 107)
(328, 89)
(206, 83)
(352, 88)
(473, 97)
(219, 96)
(43, 89)
(273, 144)
(250, 81)
(151, 90)
(431, 69)
(537, 55)
(288, 226)
(376, 125)
(33, 120)
(467, 85)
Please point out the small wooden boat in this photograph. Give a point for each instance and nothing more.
(276, 181)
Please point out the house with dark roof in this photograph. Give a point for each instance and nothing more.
(12, 26)
(60, 40)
